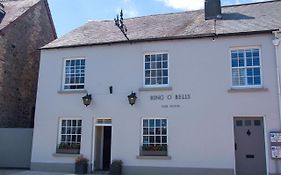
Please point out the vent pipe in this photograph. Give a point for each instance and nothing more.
(212, 9)
(2, 12)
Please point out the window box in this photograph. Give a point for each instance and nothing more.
(68, 148)
(154, 153)
(68, 151)
(154, 150)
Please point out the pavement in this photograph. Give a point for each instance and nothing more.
(27, 172)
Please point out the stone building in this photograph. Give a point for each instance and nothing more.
(26, 26)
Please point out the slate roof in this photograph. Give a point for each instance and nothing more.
(14, 9)
(236, 19)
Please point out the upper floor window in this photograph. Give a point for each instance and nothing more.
(74, 74)
(156, 69)
(246, 67)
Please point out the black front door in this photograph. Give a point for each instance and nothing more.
(106, 147)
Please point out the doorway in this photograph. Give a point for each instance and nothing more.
(249, 146)
(102, 147)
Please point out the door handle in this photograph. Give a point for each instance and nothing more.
(250, 156)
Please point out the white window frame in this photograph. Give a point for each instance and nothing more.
(60, 128)
(167, 129)
(63, 78)
(261, 72)
(168, 62)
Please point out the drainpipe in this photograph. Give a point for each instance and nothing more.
(276, 43)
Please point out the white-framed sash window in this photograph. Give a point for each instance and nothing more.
(74, 74)
(246, 67)
(156, 69)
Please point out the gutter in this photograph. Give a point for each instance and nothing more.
(169, 38)
(276, 43)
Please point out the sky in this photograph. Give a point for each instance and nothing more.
(68, 15)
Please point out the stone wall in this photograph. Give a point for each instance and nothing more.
(19, 63)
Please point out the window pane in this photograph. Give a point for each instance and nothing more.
(158, 131)
(158, 57)
(147, 81)
(257, 80)
(145, 140)
(165, 64)
(158, 139)
(158, 121)
(250, 80)
(234, 54)
(249, 72)
(147, 73)
(249, 62)
(164, 123)
(147, 58)
(165, 80)
(151, 139)
(257, 71)
(234, 62)
(241, 62)
(151, 123)
(145, 123)
(256, 61)
(153, 65)
(145, 131)
(153, 58)
(165, 72)
(164, 139)
(165, 57)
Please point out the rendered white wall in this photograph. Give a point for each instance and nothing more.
(200, 131)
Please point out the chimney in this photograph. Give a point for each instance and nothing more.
(2, 12)
(212, 9)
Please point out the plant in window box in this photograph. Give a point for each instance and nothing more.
(116, 167)
(68, 148)
(154, 150)
(81, 165)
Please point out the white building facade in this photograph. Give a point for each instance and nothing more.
(205, 105)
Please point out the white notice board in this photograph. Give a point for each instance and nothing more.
(276, 152)
(275, 137)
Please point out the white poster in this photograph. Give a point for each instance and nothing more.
(275, 137)
(276, 152)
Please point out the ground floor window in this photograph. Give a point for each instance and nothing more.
(154, 137)
(69, 136)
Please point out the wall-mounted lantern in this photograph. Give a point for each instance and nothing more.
(87, 99)
(132, 98)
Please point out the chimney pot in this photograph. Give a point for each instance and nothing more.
(213, 9)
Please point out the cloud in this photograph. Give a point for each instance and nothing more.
(198, 4)
(184, 4)
(129, 9)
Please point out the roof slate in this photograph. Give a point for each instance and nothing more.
(14, 9)
(255, 17)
